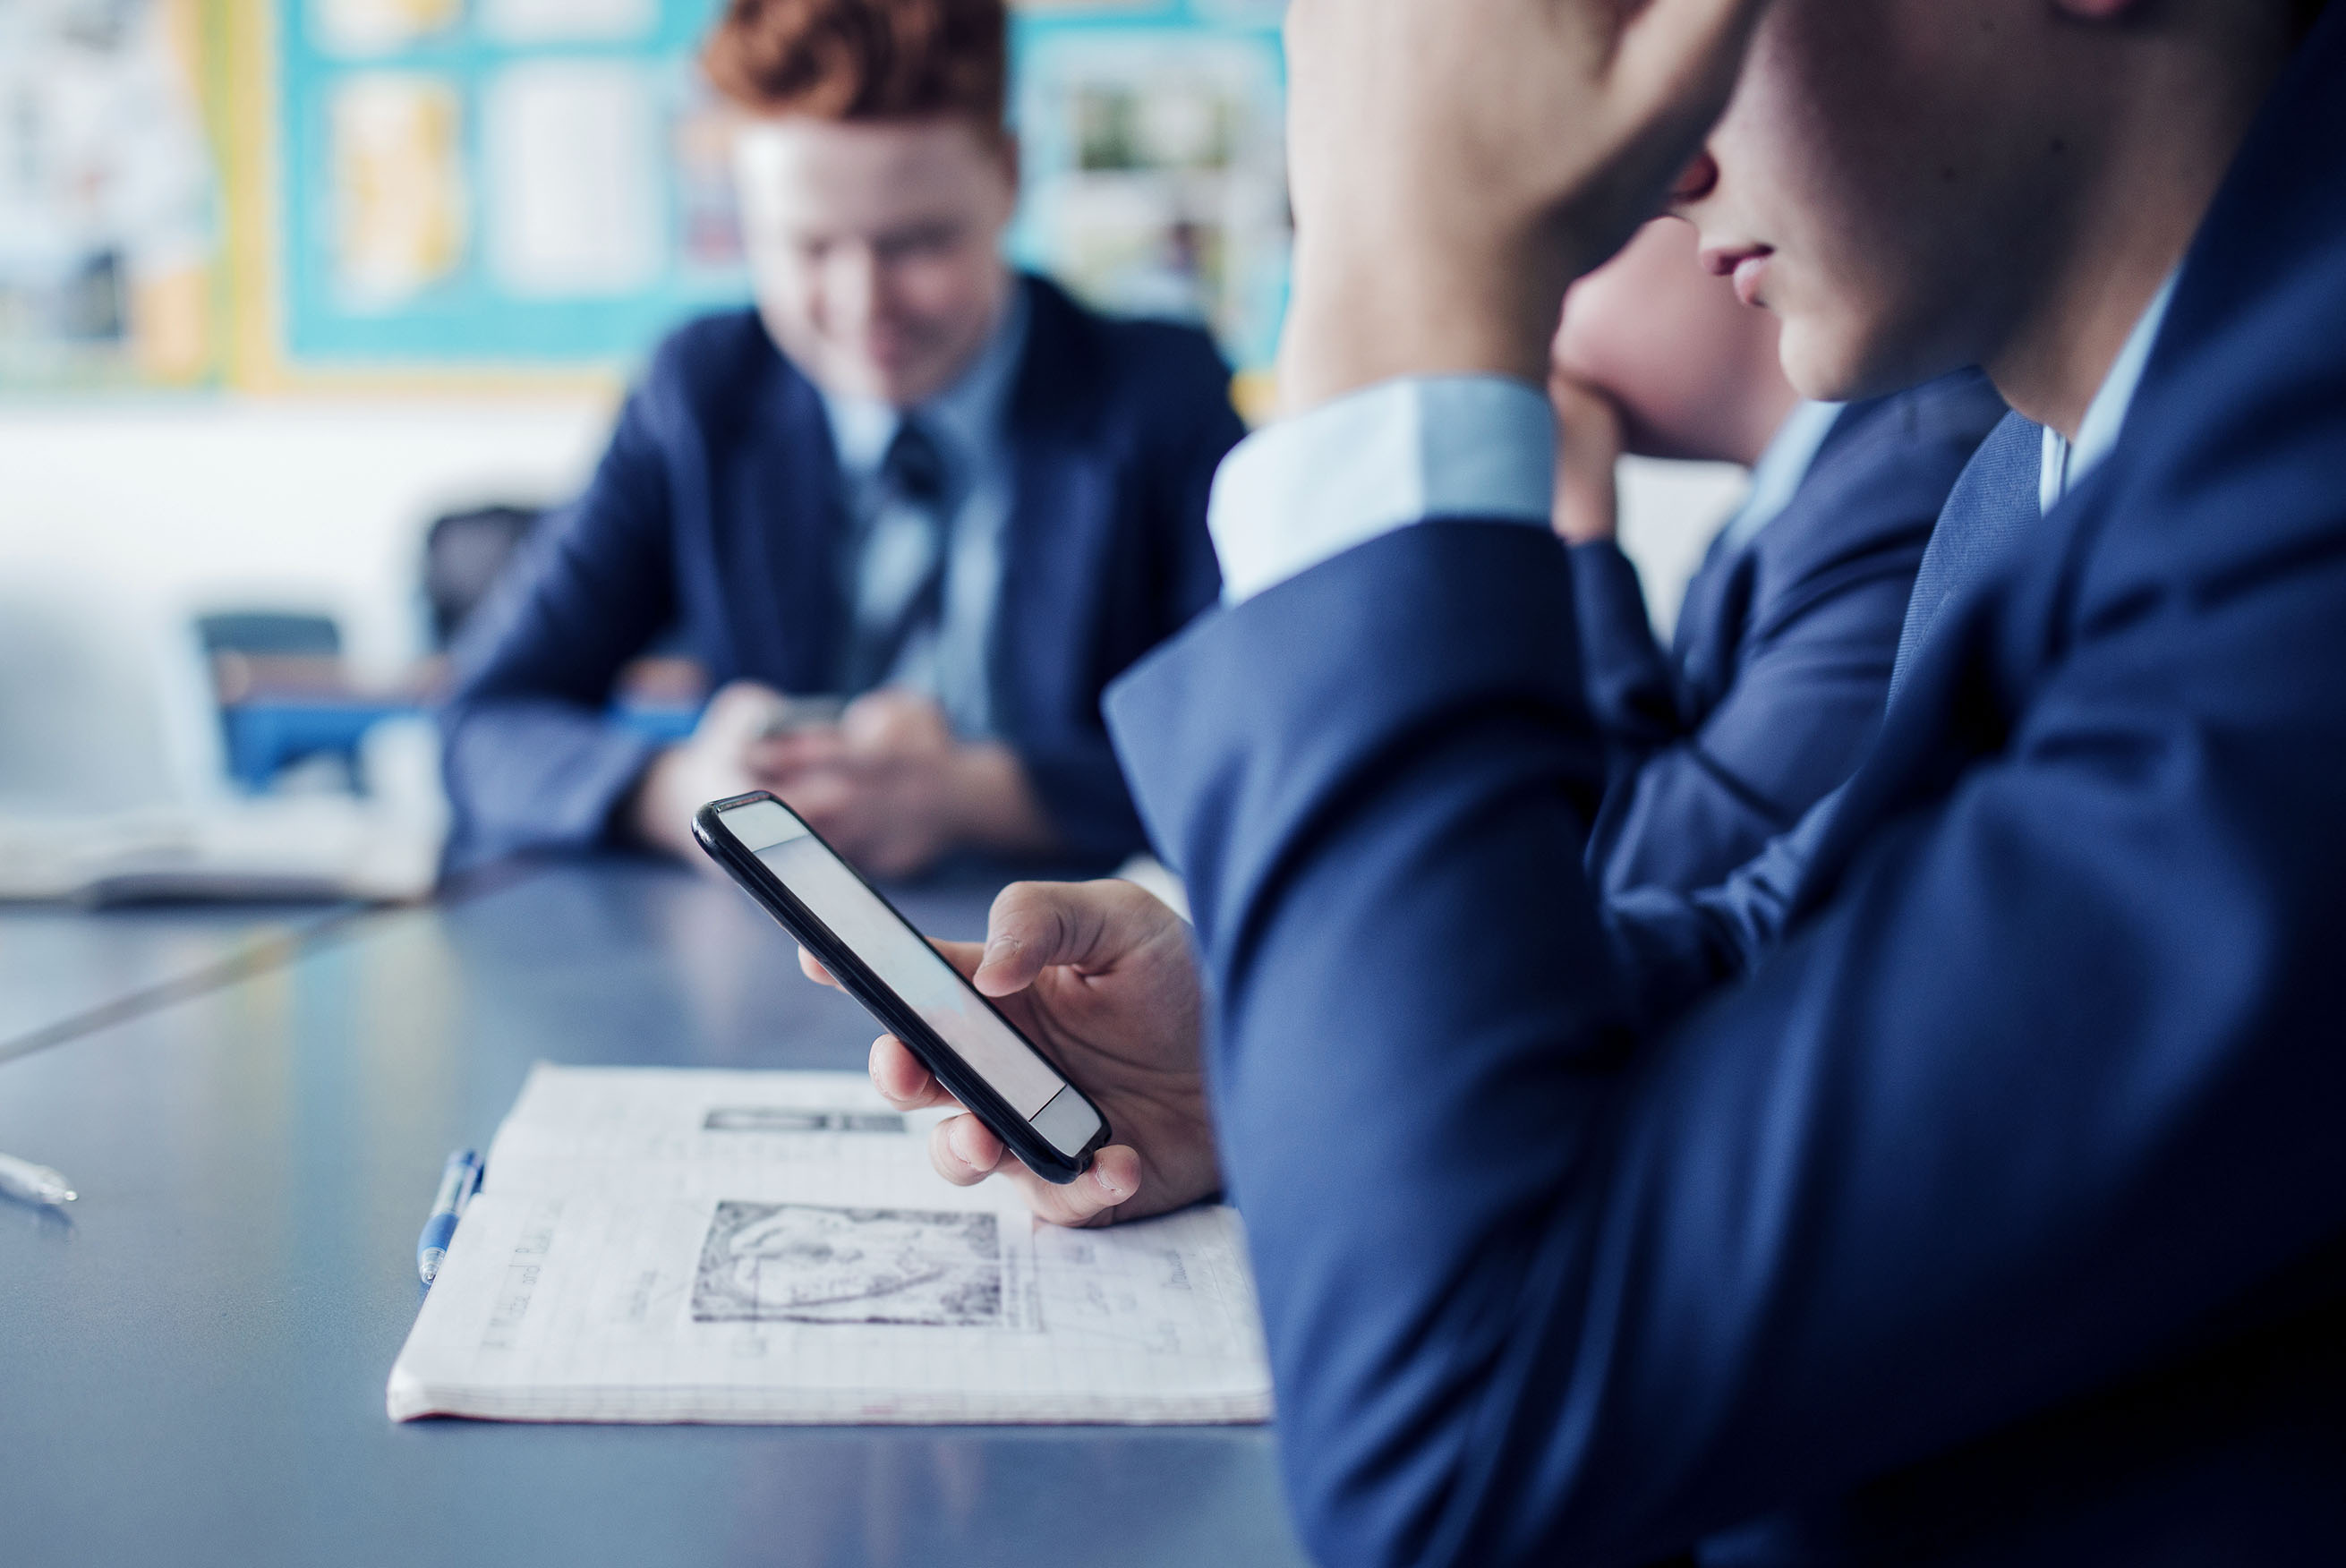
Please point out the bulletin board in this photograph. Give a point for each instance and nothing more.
(112, 238)
(544, 181)
(1153, 139)
(276, 194)
(495, 181)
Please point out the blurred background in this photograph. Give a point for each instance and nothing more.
(309, 308)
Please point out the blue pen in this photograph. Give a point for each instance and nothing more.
(458, 1182)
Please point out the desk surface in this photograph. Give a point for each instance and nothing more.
(65, 971)
(193, 1366)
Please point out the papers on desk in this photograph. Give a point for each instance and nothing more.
(381, 846)
(659, 1245)
(322, 847)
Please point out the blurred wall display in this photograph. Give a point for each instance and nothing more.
(1153, 143)
(571, 147)
(375, 27)
(108, 232)
(271, 193)
(588, 203)
(484, 183)
(400, 213)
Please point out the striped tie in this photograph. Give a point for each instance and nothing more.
(900, 583)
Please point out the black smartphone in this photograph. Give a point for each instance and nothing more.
(794, 715)
(884, 964)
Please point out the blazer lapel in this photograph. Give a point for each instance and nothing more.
(785, 600)
(1710, 621)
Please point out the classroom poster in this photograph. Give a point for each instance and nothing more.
(108, 228)
(548, 181)
(434, 191)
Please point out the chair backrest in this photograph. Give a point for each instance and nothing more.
(464, 555)
(289, 633)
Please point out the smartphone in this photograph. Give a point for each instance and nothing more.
(794, 715)
(888, 966)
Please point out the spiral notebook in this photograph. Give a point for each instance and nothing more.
(663, 1245)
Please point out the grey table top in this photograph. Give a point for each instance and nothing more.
(66, 971)
(192, 1367)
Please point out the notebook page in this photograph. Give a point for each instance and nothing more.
(663, 1245)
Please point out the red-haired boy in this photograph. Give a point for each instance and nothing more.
(909, 477)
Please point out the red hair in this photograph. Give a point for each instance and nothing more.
(864, 59)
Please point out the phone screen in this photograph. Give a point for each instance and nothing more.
(904, 961)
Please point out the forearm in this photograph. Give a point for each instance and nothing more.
(1416, 1007)
(538, 774)
(1800, 713)
(991, 805)
(1532, 1292)
(533, 758)
(1449, 315)
(1629, 680)
(1454, 166)
(655, 813)
(1674, 946)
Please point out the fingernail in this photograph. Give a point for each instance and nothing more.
(1108, 1184)
(957, 1135)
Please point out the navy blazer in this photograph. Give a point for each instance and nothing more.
(1773, 686)
(1675, 944)
(2000, 1218)
(714, 522)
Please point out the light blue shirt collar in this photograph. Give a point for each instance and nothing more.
(1781, 470)
(2066, 463)
(968, 416)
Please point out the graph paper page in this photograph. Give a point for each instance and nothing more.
(662, 1245)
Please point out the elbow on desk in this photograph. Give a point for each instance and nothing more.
(1454, 1488)
(535, 776)
(1430, 1444)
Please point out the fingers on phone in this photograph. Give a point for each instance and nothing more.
(1115, 1172)
(1027, 930)
(1035, 925)
(1092, 1198)
(962, 955)
(900, 1079)
(963, 1152)
(812, 967)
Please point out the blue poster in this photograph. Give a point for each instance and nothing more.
(542, 183)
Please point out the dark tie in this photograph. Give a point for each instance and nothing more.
(914, 466)
(1994, 503)
(900, 588)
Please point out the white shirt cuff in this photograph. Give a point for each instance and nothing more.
(1308, 489)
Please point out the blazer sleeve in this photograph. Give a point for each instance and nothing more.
(1674, 946)
(1631, 695)
(1804, 702)
(533, 759)
(1537, 1289)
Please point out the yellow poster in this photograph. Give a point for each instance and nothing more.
(399, 186)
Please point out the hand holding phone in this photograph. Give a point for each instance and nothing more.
(883, 963)
(1103, 977)
(797, 714)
